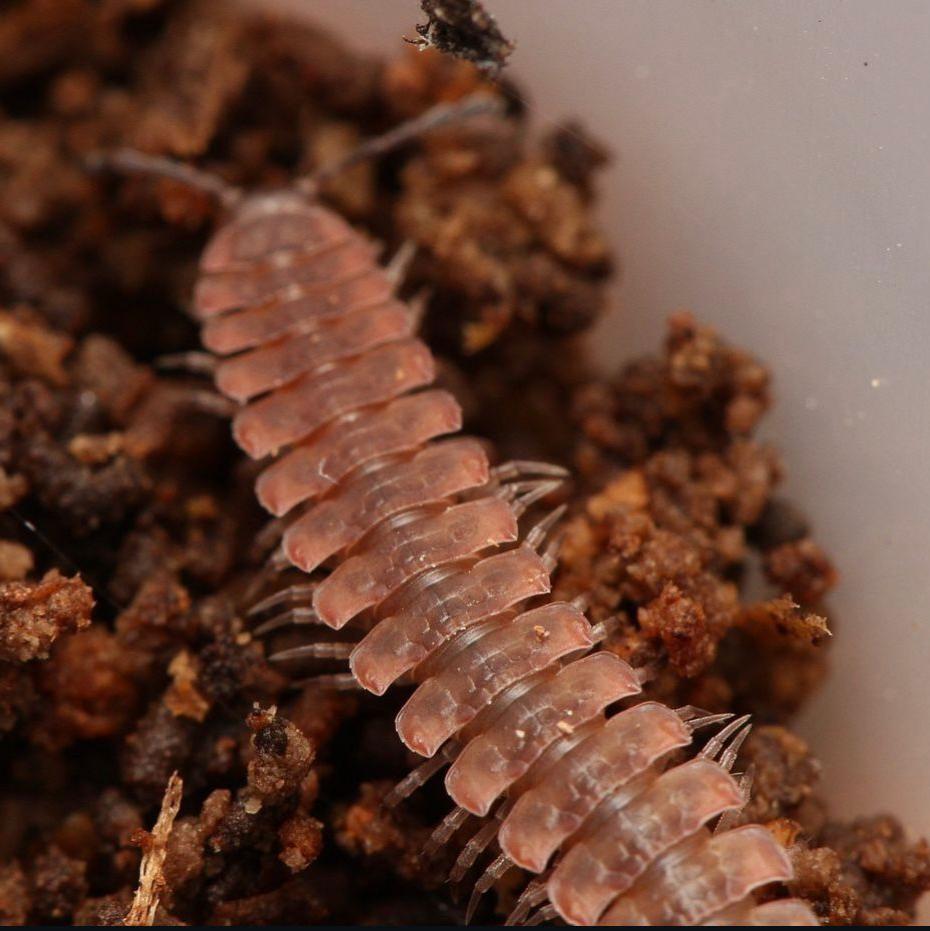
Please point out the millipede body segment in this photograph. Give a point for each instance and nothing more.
(412, 536)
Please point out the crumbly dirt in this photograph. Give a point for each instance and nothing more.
(130, 540)
(682, 507)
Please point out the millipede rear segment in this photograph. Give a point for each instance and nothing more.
(411, 535)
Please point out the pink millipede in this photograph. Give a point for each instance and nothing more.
(408, 531)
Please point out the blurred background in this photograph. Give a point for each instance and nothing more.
(771, 174)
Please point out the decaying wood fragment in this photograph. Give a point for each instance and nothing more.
(155, 847)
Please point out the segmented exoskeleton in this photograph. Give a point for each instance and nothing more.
(411, 535)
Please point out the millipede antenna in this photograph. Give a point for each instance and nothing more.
(434, 118)
(132, 161)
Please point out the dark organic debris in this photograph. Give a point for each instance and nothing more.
(465, 29)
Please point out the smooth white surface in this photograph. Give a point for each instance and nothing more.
(773, 182)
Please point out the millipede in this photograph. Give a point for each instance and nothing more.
(408, 533)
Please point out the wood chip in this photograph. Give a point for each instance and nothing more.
(151, 878)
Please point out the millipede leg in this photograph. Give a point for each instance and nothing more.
(491, 875)
(546, 913)
(473, 849)
(270, 535)
(446, 828)
(293, 616)
(315, 651)
(526, 494)
(519, 467)
(418, 304)
(728, 819)
(603, 629)
(257, 583)
(278, 560)
(536, 536)
(396, 268)
(208, 402)
(550, 556)
(719, 740)
(729, 755)
(538, 491)
(414, 779)
(275, 564)
(292, 595)
(534, 894)
(581, 602)
(337, 681)
(196, 363)
(697, 718)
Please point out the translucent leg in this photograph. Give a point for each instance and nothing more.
(419, 776)
(581, 602)
(268, 574)
(293, 616)
(396, 268)
(534, 894)
(338, 682)
(716, 744)
(603, 629)
(729, 818)
(728, 757)
(536, 536)
(193, 362)
(340, 651)
(491, 875)
(208, 402)
(418, 304)
(706, 720)
(131, 161)
(693, 713)
(292, 595)
(546, 913)
(278, 561)
(526, 494)
(521, 467)
(473, 849)
(550, 556)
(270, 535)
